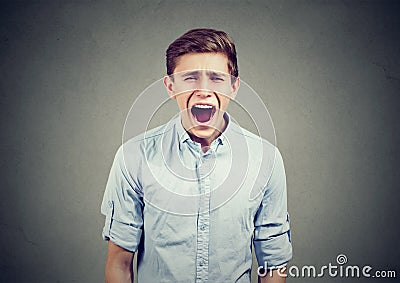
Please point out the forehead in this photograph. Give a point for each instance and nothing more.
(202, 61)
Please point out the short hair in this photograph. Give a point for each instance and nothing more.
(202, 40)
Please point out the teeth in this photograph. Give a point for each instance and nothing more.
(202, 106)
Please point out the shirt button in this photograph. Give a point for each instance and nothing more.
(110, 204)
(202, 227)
(201, 263)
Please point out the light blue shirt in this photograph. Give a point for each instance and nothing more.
(192, 216)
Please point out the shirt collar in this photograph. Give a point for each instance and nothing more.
(183, 136)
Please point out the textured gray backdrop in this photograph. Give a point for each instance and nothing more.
(329, 72)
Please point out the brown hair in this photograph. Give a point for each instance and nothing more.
(202, 41)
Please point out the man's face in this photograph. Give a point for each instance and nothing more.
(202, 87)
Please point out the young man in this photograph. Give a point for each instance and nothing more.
(180, 194)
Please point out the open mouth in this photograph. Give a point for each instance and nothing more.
(203, 112)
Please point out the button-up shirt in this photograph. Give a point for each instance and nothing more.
(193, 216)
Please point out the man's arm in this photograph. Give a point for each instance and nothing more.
(119, 264)
(123, 207)
(275, 277)
(272, 243)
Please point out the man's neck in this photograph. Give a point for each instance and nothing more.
(206, 142)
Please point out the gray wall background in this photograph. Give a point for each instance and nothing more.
(329, 72)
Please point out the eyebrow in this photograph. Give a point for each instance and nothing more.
(209, 73)
(192, 73)
(218, 74)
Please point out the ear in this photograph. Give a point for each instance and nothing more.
(169, 86)
(235, 88)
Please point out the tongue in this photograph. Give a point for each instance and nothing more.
(202, 115)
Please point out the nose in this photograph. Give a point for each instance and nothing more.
(203, 93)
(203, 83)
(204, 88)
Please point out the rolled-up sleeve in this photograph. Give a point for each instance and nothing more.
(123, 206)
(272, 242)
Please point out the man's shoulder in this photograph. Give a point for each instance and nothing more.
(149, 135)
(148, 141)
(253, 140)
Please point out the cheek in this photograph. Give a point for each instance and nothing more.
(182, 101)
(224, 103)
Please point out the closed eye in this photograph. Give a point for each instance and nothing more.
(190, 79)
(217, 79)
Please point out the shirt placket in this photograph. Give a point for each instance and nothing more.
(203, 227)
